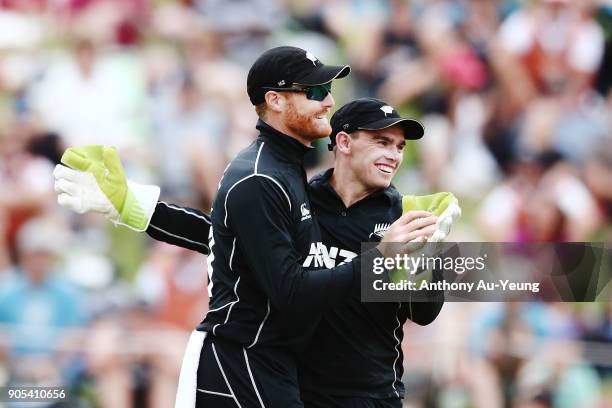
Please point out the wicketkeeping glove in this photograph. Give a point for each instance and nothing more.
(443, 205)
(96, 182)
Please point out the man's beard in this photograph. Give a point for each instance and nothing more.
(305, 125)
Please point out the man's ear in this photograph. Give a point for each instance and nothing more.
(275, 101)
(343, 142)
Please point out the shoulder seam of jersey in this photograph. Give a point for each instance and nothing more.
(255, 174)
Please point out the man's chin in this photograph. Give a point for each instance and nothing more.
(324, 130)
(320, 132)
(382, 182)
(384, 185)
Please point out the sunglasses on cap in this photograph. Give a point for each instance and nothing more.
(314, 93)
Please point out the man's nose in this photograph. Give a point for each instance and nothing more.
(328, 102)
(394, 154)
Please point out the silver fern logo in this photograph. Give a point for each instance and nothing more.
(386, 110)
(312, 58)
(379, 230)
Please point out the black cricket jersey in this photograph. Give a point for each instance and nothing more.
(264, 290)
(356, 349)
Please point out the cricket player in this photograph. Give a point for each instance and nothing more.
(265, 305)
(355, 358)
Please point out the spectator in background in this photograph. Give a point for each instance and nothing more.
(196, 104)
(188, 127)
(442, 48)
(134, 346)
(22, 26)
(557, 377)
(219, 79)
(26, 188)
(504, 337)
(545, 58)
(171, 283)
(451, 62)
(598, 176)
(553, 45)
(91, 95)
(6, 267)
(540, 202)
(244, 24)
(39, 307)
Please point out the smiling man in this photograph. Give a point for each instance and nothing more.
(354, 359)
(368, 138)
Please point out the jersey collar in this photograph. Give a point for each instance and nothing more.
(322, 182)
(288, 147)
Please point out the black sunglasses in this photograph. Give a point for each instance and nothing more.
(314, 93)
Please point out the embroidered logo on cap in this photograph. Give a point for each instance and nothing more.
(386, 109)
(281, 82)
(311, 57)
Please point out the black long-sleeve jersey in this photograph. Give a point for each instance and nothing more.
(261, 233)
(356, 349)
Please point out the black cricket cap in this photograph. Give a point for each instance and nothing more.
(282, 67)
(371, 114)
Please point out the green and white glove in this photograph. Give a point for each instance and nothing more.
(95, 182)
(443, 205)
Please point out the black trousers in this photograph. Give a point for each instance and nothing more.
(229, 375)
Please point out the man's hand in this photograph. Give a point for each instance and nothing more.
(408, 233)
(96, 182)
(412, 226)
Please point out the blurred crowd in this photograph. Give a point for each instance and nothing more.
(515, 98)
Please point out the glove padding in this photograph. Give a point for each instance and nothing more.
(443, 205)
(96, 182)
